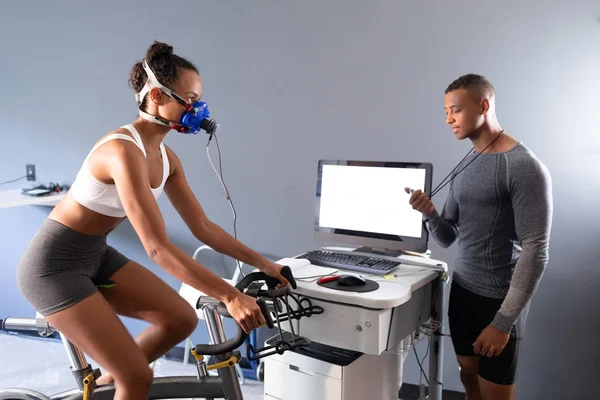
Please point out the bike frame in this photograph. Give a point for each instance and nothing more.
(226, 385)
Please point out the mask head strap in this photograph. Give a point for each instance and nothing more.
(152, 82)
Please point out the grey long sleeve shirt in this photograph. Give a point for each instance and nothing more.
(500, 210)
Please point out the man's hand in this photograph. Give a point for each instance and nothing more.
(274, 271)
(246, 312)
(421, 202)
(490, 342)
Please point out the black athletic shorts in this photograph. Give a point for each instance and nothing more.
(468, 315)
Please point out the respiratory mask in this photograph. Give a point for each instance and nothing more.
(196, 116)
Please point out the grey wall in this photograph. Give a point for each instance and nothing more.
(293, 82)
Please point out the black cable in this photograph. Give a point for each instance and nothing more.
(14, 180)
(442, 184)
(439, 187)
(419, 361)
(285, 313)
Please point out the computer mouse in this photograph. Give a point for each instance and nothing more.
(351, 280)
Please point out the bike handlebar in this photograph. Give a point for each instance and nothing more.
(271, 282)
(263, 307)
(240, 336)
(238, 339)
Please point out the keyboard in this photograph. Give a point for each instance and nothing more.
(351, 262)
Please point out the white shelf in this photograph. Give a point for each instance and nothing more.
(14, 198)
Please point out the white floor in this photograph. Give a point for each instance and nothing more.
(43, 365)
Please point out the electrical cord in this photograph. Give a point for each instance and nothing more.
(227, 195)
(423, 374)
(14, 180)
(284, 311)
(53, 187)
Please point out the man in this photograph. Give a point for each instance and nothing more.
(499, 208)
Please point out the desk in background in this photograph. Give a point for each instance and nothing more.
(15, 198)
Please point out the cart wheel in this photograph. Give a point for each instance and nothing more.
(260, 372)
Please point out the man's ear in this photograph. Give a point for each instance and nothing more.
(485, 106)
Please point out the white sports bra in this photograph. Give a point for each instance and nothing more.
(103, 198)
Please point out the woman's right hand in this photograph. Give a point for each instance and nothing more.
(421, 202)
(246, 312)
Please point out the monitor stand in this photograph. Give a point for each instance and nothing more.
(379, 251)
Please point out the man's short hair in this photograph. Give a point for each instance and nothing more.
(477, 85)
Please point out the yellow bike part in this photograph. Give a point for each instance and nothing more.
(227, 363)
(88, 383)
(198, 357)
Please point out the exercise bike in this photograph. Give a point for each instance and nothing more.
(272, 301)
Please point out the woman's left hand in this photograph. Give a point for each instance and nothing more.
(274, 271)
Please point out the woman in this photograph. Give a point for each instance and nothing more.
(122, 177)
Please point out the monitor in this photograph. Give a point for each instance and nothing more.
(364, 203)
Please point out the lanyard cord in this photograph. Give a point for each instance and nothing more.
(443, 183)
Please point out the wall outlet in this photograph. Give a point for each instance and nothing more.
(30, 169)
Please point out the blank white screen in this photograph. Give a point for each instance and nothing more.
(370, 199)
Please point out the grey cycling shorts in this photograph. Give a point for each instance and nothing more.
(61, 267)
